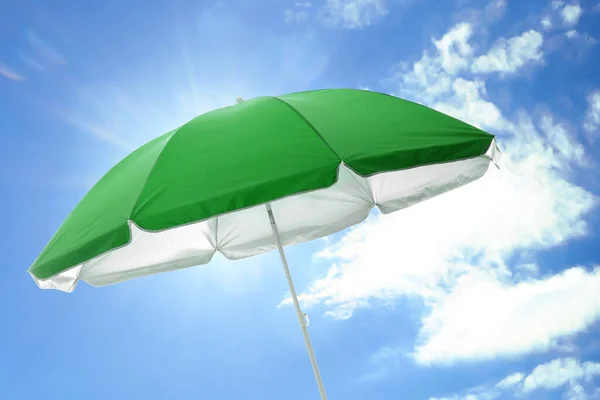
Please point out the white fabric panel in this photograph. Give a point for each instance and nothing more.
(400, 189)
(152, 252)
(494, 153)
(299, 218)
(66, 281)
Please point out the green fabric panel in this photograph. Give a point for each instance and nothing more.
(374, 132)
(233, 158)
(99, 222)
(251, 153)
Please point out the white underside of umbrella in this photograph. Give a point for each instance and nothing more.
(255, 230)
(247, 232)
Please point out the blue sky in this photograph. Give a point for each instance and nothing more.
(498, 299)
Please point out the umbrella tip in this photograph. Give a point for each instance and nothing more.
(238, 100)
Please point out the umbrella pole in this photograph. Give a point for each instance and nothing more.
(301, 316)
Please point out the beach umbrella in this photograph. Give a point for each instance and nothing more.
(257, 176)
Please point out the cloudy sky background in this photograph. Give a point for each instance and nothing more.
(488, 292)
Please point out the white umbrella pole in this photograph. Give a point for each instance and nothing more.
(301, 316)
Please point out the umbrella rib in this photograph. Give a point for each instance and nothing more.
(137, 200)
(307, 122)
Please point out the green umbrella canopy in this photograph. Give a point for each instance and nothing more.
(322, 159)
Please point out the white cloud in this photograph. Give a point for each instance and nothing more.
(487, 392)
(484, 317)
(592, 116)
(456, 397)
(571, 34)
(299, 14)
(566, 148)
(43, 49)
(11, 74)
(495, 9)
(557, 4)
(353, 14)
(553, 375)
(424, 80)
(577, 392)
(559, 372)
(437, 77)
(546, 22)
(432, 76)
(510, 381)
(571, 13)
(467, 102)
(295, 16)
(454, 49)
(31, 62)
(509, 55)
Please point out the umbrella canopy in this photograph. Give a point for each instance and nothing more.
(319, 161)
(322, 159)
